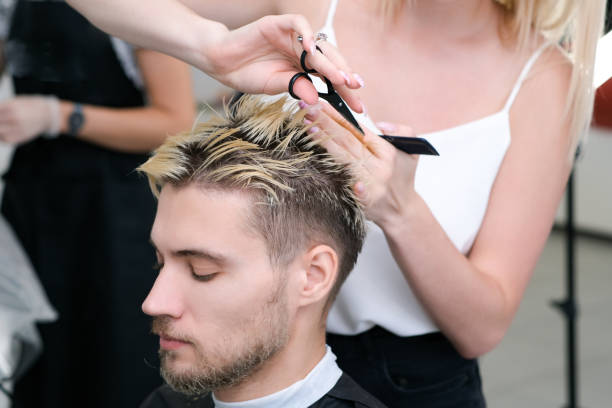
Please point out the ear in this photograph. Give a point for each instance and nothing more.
(319, 272)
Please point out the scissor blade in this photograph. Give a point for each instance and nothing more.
(339, 105)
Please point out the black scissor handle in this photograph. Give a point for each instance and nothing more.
(330, 86)
(303, 61)
(305, 75)
(292, 82)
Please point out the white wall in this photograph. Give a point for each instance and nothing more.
(593, 184)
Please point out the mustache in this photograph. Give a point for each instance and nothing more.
(162, 326)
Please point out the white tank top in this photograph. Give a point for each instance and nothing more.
(376, 292)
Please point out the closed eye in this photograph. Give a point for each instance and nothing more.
(203, 278)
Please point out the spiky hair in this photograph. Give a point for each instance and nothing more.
(301, 194)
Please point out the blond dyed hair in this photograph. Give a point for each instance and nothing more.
(575, 24)
(300, 193)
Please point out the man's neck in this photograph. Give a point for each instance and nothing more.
(290, 365)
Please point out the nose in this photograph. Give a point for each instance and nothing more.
(165, 297)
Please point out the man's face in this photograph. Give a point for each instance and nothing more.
(218, 306)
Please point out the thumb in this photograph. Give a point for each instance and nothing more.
(394, 129)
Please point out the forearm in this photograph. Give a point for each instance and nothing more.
(259, 57)
(136, 130)
(167, 26)
(468, 305)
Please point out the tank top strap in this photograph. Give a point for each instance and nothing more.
(331, 12)
(523, 75)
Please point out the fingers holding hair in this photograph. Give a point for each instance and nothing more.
(343, 135)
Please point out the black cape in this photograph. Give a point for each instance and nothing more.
(345, 394)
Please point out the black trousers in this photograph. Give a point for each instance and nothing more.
(420, 371)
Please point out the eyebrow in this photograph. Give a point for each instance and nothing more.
(197, 253)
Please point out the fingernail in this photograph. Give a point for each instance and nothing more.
(312, 48)
(313, 129)
(313, 110)
(386, 126)
(307, 121)
(302, 104)
(347, 79)
(359, 80)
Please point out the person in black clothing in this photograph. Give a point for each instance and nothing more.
(87, 110)
(256, 229)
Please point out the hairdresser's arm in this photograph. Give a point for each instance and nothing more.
(259, 57)
(473, 299)
(233, 13)
(171, 26)
(170, 109)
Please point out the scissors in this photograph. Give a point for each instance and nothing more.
(410, 145)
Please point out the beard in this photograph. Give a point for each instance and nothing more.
(235, 359)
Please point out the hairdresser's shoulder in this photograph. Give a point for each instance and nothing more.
(550, 74)
(165, 397)
(539, 113)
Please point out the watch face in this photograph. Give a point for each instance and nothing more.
(75, 121)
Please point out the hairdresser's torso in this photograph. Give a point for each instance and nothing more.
(437, 65)
(416, 72)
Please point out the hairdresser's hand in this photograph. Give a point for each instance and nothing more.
(263, 56)
(24, 117)
(384, 175)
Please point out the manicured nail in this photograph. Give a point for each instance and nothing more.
(347, 79)
(359, 80)
(302, 104)
(386, 127)
(313, 48)
(313, 110)
(313, 129)
(307, 121)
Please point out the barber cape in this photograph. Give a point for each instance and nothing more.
(346, 393)
(325, 386)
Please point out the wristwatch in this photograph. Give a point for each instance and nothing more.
(76, 120)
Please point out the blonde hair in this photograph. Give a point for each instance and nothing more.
(301, 194)
(574, 23)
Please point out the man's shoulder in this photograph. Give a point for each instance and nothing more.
(166, 397)
(347, 393)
